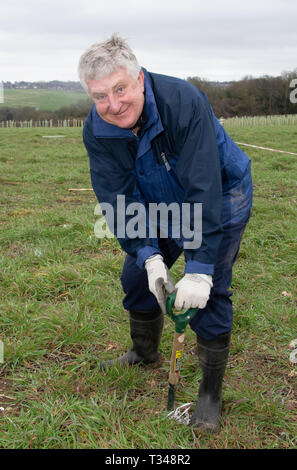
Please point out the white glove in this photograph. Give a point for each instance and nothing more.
(156, 270)
(193, 291)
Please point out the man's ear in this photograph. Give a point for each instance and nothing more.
(141, 79)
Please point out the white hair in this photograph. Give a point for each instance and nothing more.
(102, 59)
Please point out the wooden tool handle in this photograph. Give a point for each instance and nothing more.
(176, 357)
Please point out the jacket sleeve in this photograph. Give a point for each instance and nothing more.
(198, 169)
(115, 187)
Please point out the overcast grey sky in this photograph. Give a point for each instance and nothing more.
(214, 39)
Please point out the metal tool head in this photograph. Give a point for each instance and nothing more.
(161, 293)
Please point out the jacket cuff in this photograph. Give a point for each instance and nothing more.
(144, 253)
(193, 267)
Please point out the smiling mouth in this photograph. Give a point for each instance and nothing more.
(122, 112)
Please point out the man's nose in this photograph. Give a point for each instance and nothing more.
(114, 104)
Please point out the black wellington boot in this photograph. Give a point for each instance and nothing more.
(145, 330)
(213, 358)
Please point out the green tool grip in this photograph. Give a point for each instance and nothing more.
(180, 320)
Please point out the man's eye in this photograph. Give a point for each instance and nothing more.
(99, 97)
(121, 89)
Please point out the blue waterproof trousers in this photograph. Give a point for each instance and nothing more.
(217, 317)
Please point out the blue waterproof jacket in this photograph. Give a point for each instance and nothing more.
(182, 155)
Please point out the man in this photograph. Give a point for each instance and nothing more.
(154, 139)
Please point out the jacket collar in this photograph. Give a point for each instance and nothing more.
(102, 129)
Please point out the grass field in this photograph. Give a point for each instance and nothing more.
(61, 311)
(44, 100)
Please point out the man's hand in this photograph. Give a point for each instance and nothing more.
(158, 278)
(193, 291)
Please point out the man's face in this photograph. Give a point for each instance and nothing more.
(119, 98)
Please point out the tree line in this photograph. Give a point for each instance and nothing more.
(79, 110)
(250, 96)
(56, 85)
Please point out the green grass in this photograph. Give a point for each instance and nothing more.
(61, 311)
(44, 100)
(282, 137)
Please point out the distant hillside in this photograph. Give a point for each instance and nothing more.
(265, 95)
(40, 99)
(56, 85)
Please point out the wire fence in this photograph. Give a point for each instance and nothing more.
(44, 123)
(244, 121)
